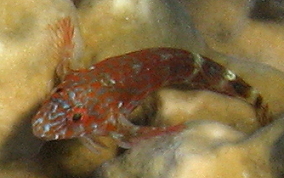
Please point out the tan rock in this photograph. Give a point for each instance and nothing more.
(205, 149)
(228, 27)
(112, 27)
(30, 48)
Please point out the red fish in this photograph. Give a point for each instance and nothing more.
(98, 101)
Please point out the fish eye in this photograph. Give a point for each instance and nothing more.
(76, 117)
(58, 90)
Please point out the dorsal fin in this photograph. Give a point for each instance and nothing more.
(63, 34)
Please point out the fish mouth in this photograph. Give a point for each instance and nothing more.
(56, 129)
(51, 122)
(47, 131)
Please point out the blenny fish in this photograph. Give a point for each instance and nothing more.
(98, 101)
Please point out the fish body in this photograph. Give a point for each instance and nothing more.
(98, 101)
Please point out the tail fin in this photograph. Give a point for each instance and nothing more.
(218, 78)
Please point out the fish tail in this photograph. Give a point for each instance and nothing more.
(219, 79)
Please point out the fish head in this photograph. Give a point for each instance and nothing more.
(64, 115)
